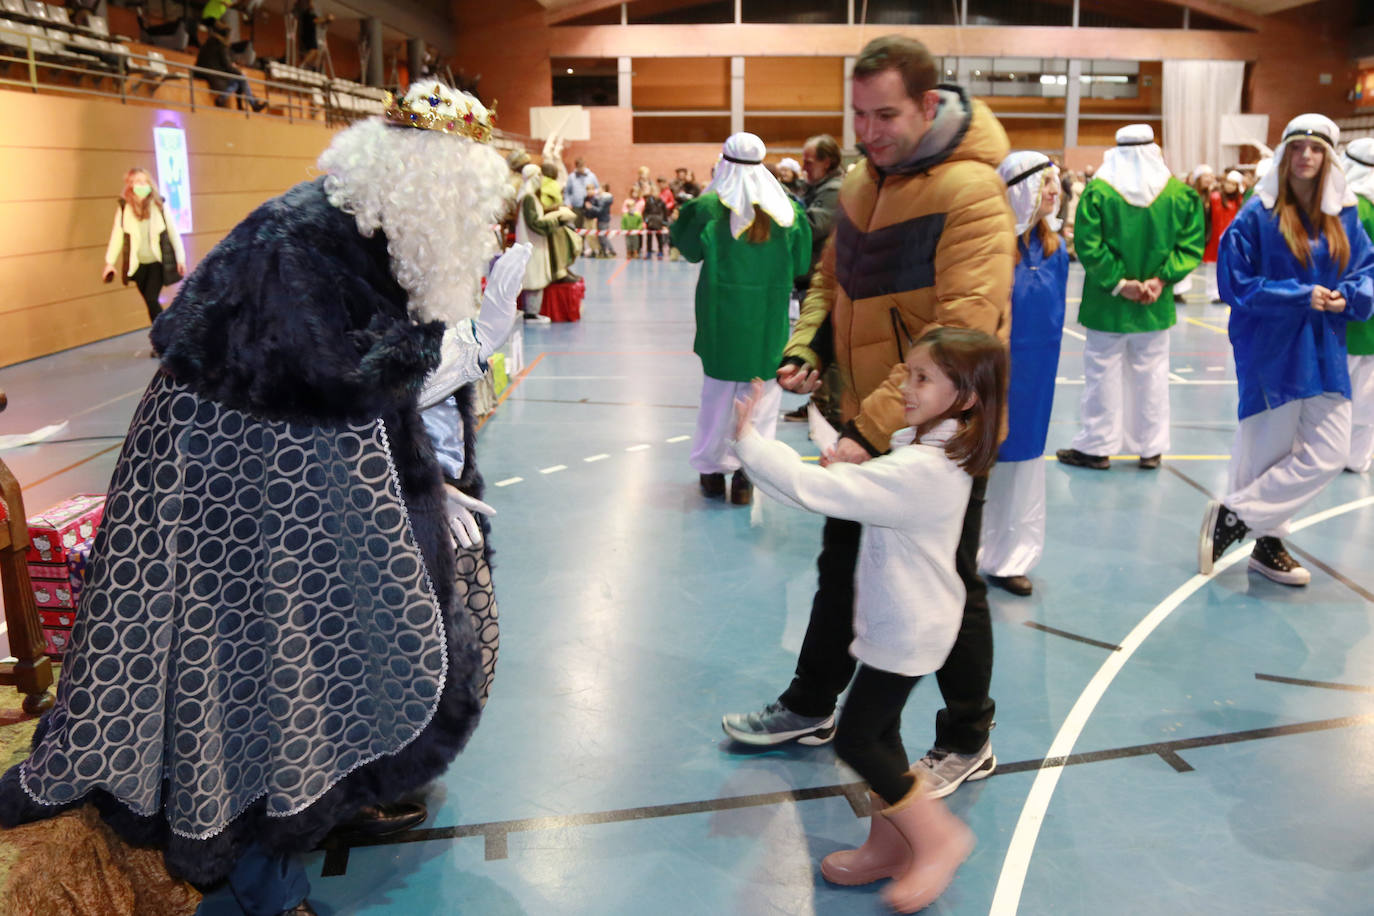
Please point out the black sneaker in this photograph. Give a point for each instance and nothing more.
(1150, 462)
(1273, 561)
(1220, 529)
(796, 416)
(1073, 456)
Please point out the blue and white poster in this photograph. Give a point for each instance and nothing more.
(173, 175)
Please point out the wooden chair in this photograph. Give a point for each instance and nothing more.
(32, 673)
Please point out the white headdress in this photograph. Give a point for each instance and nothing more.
(790, 163)
(1135, 166)
(1199, 171)
(1334, 193)
(1236, 178)
(1025, 173)
(1359, 166)
(742, 183)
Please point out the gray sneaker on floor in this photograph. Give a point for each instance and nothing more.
(944, 771)
(776, 724)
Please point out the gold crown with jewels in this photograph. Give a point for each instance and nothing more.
(445, 110)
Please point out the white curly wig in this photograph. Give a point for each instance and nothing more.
(435, 195)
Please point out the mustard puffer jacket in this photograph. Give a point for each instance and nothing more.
(929, 242)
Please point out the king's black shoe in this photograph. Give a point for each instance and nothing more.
(383, 819)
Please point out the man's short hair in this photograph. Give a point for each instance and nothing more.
(579, 163)
(826, 148)
(549, 169)
(905, 55)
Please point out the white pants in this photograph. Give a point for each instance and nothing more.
(711, 452)
(1213, 290)
(1013, 518)
(534, 300)
(1125, 405)
(1281, 458)
(1362, 413)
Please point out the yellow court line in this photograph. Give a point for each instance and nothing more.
(1203, 324)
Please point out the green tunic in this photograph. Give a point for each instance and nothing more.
(1116, 241)
(743, 288)
(1359, 335)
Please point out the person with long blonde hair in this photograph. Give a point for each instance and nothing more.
(144, 241)
(1014, 515)
(1296, 267)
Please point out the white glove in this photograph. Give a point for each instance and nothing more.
(497, 314)
(461, 521)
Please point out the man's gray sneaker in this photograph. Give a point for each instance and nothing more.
(944, 771)
(776, 724)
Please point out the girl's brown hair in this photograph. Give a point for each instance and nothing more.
(1049, 239)
(761, 229)
(140, 204)
(977, 364)
(1287, 208)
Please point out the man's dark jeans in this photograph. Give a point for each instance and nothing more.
(825, 667)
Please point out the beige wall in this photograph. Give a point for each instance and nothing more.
(66, 160)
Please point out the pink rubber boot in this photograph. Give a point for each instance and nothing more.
(883, 855)
(939, 842)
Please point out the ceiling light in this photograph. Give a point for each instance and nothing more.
(570, 70)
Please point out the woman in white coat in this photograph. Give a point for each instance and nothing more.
(144, 241)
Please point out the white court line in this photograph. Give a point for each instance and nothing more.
(553, 470)
(638, 448)
(507, 482)
(1075, 334)
(1007, 897)
(1175, 377)
(589, 459)
(678, 439)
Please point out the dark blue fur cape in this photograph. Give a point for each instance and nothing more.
(296, 316)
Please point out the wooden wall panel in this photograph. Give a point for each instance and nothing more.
(794, 83)
(791, 131)
(55, 223)
(681, 83)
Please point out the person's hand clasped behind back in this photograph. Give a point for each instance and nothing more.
(802, 379)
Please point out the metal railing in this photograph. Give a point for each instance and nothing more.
(62, 58)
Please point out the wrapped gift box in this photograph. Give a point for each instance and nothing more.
(58, 585)
(56, 640)
(58, 620)
(53, 532)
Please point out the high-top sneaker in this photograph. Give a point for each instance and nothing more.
(1220, 529)
(1273, 561)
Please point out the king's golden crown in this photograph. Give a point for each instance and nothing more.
(445, 110)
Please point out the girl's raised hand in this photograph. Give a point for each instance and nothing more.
(744, 409)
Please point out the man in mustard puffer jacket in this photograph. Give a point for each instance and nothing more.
(923, 237)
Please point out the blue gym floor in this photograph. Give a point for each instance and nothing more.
(1168, 743)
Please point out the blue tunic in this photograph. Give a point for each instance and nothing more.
(1037, 327)
(1285, 349)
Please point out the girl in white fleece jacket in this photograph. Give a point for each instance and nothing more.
(908, 598)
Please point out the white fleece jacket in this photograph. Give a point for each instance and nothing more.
(908, 599)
